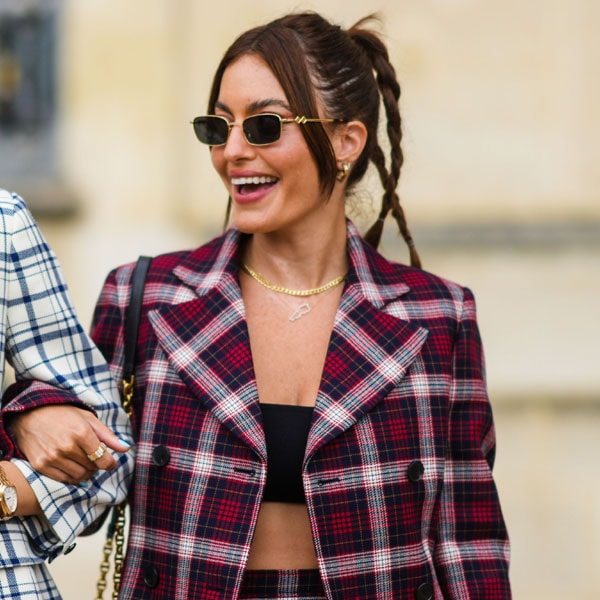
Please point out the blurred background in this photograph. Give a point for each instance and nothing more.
(500, 106)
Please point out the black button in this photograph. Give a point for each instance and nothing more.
(70, 548)
(161, 456)
(151, 577)
(424, 592)
(415, 471)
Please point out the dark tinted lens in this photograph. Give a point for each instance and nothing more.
(262, 129)
(211, 130)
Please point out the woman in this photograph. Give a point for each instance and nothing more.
(42, 339)
(311, 419)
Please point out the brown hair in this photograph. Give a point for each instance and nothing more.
(349, 72)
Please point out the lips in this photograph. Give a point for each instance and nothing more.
(245, 186)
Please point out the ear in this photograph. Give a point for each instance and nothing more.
(349, 140)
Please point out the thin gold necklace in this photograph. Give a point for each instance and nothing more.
(290, 292)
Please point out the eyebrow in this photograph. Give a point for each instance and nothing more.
(257, 105)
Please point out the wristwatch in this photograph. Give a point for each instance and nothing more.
(8, 496)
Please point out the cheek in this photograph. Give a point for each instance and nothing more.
(219, 164)
(216, 158)
(300, 163)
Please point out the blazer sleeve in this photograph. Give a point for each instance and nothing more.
(55, 361)
(108, 322)
(472, 550)
(108, 331)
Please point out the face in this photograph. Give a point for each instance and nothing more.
(274, 188)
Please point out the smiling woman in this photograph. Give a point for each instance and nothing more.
(311, 418)
(294, 195)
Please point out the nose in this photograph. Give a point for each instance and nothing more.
(237, 146)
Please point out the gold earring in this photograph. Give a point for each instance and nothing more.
(343, 171)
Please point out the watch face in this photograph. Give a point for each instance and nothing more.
(10, 498)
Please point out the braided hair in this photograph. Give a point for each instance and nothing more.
(350, 74)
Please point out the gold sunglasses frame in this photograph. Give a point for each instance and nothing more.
(300, 120)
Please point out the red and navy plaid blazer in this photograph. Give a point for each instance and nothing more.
(397, 470)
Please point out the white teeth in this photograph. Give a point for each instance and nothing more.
(249, 180)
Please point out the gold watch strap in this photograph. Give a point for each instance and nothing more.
(4, 480)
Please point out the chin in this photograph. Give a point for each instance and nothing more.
(249, 226)
(252, 221)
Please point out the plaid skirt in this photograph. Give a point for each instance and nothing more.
(304, 584)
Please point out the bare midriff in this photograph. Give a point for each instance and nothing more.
(283, 538)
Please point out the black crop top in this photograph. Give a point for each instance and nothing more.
(286, 431)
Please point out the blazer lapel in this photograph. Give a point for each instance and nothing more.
(371, 347)
(206, 341)
(369, 353)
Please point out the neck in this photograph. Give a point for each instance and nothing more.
(300, 264)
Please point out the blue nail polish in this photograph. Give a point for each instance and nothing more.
(84, 484)
(124, 443)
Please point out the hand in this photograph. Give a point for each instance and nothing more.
(57, 439)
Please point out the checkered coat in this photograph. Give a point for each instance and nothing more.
(397, 469)
(54, 362)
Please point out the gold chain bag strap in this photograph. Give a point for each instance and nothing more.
(115, 533)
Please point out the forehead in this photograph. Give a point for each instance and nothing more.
(249, 80)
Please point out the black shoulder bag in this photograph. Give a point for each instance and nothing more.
(115, 533)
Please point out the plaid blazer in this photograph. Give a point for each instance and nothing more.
(54, 361)
(397, 469)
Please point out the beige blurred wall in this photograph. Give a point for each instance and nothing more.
(500, 185)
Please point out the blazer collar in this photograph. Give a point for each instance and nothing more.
(371, 275)
(214, 266)
(369, 352)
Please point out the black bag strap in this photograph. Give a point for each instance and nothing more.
(115, 532)
(132, 322)
(132, 317)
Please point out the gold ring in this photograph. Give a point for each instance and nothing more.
(99, 453)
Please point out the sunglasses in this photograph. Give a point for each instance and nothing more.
(259, 130)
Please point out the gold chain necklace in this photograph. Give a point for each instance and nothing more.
(290, 292)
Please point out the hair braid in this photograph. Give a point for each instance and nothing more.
(389, 89)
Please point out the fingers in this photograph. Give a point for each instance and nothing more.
(62, 468)
(99, 453)
(72, 464)
(72, 473)
(106, 435)
(68, 458)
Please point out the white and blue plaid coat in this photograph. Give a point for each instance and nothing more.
(54, 362)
